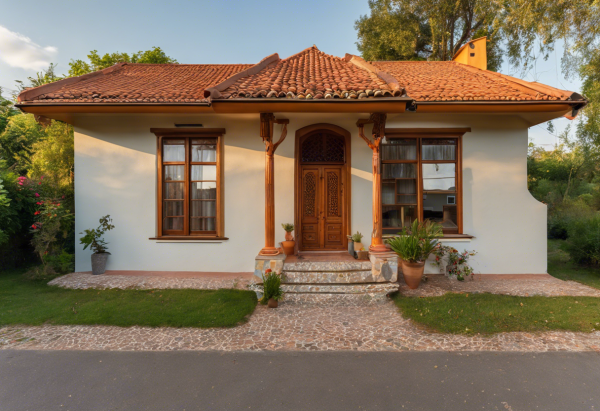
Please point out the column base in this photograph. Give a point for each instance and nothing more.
(378, 249)
(270, 251)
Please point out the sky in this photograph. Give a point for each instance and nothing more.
(35, 33)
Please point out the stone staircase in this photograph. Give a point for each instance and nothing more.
(337, 278)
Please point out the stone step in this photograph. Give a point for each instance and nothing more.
(369, 289)
(330, 277)
(337, 266)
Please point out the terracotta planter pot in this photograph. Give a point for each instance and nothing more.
(288, 236)
(358, 246)
(272, 303)
(288, 247)
(413, 273)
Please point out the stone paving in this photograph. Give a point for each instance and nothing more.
(547, 286)
(302, 322)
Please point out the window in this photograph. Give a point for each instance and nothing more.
(189, 182)
(421, 179)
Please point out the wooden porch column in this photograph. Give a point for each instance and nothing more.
(378, 121)
(267, 122)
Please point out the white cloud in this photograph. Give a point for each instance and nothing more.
(19, 51)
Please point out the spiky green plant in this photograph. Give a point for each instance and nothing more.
(417, 243)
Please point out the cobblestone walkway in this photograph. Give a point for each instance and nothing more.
(83, 281)
(437, 285)
(327, 322)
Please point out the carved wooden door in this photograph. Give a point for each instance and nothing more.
(322, 207)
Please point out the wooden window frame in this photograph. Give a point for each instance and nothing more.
(420, 134)
(189, 134)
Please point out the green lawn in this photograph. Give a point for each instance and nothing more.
(490, 313)
(32, 303)
(559, 266)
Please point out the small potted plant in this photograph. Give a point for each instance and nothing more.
(272, 292)
(93, 239)
(289, 244)
(357, 238)
(414, 247)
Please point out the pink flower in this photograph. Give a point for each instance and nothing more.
(40, 183)
(37, 195)
(20, 183)
(42, 177)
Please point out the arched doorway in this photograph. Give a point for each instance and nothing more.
(322, 196)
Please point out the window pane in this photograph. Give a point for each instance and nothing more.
(439, 177)
(204, 173)
(204, 150)
(398, 171)
(172, 208)
(439, 149)
(204, 208)
(204, 191)
(387, 193)
(173, 150)
(406, 186)
(440, 208)
(173, 191)
(173, 223)
(399, 149)
(203, 224)
(396, 217)
(174, 173)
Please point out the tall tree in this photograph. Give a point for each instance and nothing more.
(96, 62)
(423, 29)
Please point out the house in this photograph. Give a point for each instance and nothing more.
(200, 164)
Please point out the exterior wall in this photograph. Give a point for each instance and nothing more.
(115, 162)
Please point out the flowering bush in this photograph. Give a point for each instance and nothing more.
(456, 262)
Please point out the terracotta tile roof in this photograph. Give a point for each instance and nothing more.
(310, 74)
(452, 81)
(136, 83)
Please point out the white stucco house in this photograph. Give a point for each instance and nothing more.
(189, 160)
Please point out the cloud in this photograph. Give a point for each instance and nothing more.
(19, 51)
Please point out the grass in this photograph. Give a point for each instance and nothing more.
(560, 266)
(490, 313)
(29, 302)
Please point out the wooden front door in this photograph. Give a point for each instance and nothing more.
(322, 207)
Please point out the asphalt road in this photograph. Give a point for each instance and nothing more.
(92, 380)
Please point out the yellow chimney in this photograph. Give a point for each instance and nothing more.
(473, 53)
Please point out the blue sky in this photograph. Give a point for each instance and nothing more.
(34, 33)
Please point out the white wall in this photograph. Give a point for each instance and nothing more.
(115, 173)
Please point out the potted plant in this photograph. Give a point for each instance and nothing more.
(289, 244)
(414, 247)
(93, 239)
(455, 263)
(272, 292)
(357, 238)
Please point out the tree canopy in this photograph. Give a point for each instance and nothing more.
(423, 29)
(96, 62)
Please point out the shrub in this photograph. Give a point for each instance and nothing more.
(61, 263)
(584, 241)
(271, 287)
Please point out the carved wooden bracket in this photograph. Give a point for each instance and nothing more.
(378, 120)
(267, 122)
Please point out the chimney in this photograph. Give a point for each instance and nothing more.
(473, 53)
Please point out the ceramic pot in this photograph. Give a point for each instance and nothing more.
(99, 263)
(288, 236)
(358, 246)
(288, 247)
(272, 303)
(413, 273)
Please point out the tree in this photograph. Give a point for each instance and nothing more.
(422, 29)
(17, 140)
(96, 62)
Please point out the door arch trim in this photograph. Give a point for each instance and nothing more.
(300, 134)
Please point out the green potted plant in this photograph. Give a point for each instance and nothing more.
(357, 238)
(289, 244)
(414, 247)
(272, 292)
(93, 239)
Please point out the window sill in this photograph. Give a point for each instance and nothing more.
(188, 239)
(448, 238)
